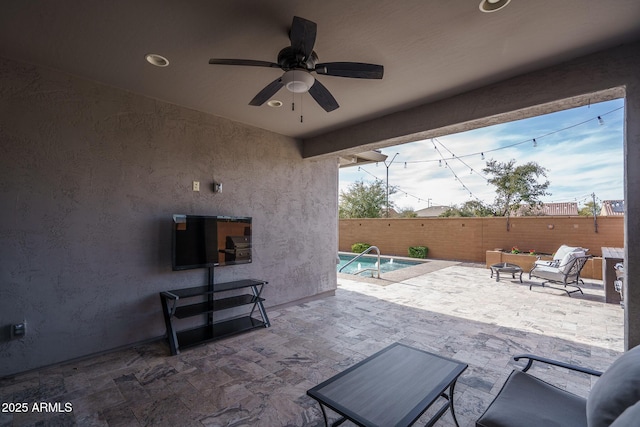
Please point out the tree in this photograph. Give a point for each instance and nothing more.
(364, 200)
(515, 185)
(590, 209)
(407, 213)
(470, 208)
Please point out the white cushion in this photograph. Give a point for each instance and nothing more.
(567, 262)
(564, 250)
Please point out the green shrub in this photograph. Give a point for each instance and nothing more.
(359, 247)
(418, 251)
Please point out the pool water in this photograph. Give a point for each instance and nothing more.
(386, 264)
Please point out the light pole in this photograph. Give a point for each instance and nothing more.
(387, 165)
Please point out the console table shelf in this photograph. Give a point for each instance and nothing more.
(210, 330)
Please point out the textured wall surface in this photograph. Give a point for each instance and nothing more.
(89, 178)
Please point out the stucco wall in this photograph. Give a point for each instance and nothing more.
(90, 176)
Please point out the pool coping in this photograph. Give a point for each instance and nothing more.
(425, 266)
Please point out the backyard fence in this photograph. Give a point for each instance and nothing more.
(468, 239)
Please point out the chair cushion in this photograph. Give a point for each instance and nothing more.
(564, 250)
(629, 417)
(527, 401)
(567, 262)
(616, 390)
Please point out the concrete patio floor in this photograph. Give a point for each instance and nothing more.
(261, 378)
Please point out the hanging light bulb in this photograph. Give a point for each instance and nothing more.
(535, 143)
(440, 163)
(482, 156)
(600, 120)
(405, 165)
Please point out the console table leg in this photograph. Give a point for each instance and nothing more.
(263, 313)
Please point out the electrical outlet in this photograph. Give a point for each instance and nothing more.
(19, 330)
(196, 185)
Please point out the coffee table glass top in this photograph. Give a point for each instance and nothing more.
(507, 267)
(392, 387)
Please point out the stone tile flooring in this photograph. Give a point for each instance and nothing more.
(261, 378)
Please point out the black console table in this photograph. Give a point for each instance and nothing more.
(173, 310)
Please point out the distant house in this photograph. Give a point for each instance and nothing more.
(553, 209)
(560, 209)
(432, 211)
(392, 213)
(612, 208)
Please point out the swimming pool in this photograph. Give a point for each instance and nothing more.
(369, 261)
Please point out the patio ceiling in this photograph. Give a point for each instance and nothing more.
(430, 50)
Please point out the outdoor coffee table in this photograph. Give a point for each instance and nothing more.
(394, 387)
(506, 267)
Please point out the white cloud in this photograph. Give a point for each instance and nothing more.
(581, 158)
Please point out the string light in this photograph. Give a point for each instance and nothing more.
(482, 156)
(396, 188)
(598, 118)
(433, 141)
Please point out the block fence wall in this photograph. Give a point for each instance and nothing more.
(468, 239)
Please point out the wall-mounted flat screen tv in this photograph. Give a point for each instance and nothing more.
(200, 241)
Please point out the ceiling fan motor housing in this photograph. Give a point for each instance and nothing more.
(289, 59)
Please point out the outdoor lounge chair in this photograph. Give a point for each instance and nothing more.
(564, 269)
(527, 401)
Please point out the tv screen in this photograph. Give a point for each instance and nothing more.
(210, 241)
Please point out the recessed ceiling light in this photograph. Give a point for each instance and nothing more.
(493, 5)
(157, 60)
(274, 103)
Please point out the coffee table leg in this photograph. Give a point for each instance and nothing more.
(453, 413)
(326, 420)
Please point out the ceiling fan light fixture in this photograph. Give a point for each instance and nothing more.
(157, 60)
(298, 81)
(493, 5)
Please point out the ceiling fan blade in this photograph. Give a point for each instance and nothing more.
(357, 70)
(248, 62)
(266, 93)
(323, 97)
(303, 36)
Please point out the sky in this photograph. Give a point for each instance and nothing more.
(582, 155)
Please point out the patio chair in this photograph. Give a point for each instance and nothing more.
(564, 269)
(527, 401)
(559, 255)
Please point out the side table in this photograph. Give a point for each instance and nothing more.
(506, 267)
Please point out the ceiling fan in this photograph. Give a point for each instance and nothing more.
(298, 61)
